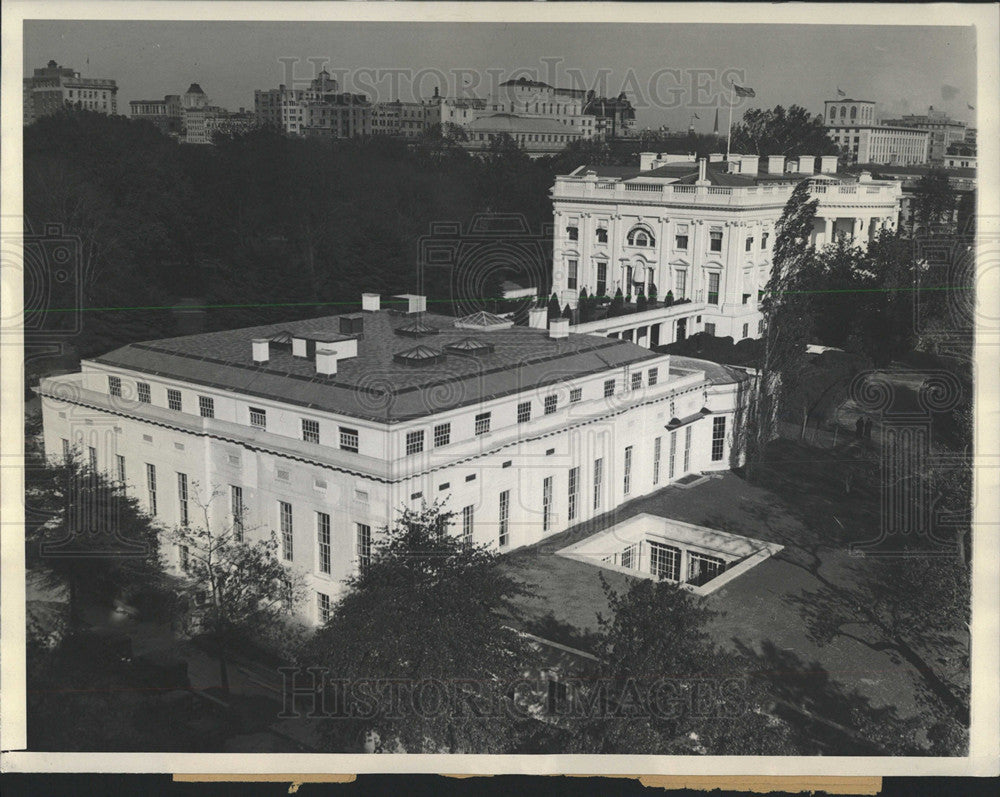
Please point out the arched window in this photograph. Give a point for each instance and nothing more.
(854, 112)
(843, 111)
(639, 236)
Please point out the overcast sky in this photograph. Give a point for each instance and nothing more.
(904, 69)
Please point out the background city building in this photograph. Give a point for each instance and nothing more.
(53, 87)
(943, 129)
(852, 125)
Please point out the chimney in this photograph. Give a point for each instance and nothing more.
(559, 328)
(326, 360)
(415, 303)
(702, 164)
(300, 348)
(538, 317)
(775, 164)
(261, 350)
(807, 164)
(371, 302)
(749, 164)
(828, 164)
(646, 160)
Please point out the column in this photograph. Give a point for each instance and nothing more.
(828, 231)
(858, 230)
(663, 278)
(695, 281)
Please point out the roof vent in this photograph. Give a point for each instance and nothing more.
(352, 324)
(559, 328)
(538, 317)
(261, 350)
(419, 355)
(470, 346)
(326, 360)
(371, 302)
(415, 303)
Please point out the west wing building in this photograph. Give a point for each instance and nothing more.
(701, 231)
(321, 430)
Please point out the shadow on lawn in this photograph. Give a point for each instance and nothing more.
(555, 630)
(825, 718)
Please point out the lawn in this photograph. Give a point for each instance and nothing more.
(807, 511)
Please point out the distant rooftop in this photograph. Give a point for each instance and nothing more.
(376, 385)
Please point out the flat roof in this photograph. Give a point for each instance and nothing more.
(373, 385)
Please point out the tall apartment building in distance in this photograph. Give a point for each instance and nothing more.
(53, 87)
(320, 430)
(320, 110)
(703, 231)
(167, 114)
(944, 130)
(400, 119)
(851, 124)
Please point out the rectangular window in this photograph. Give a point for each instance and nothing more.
(120, 459)
(598, 482)
(602, 235)
(143, 392)
(657, 445)
(258, 418)
(629, 558)
(349, 439)
(713, 288)
(760, 327)
(184, 557)
(323, 607)
(573, 233)
(746, 330)
(571, 274)
(664, 561)
(285, 523)
(174, 399)
(573, 493)
(715, 241)
(206, 406)
(483, 422)
(92, 457)
(602, 279)
(323, 542)
(652, 375)
(687, 449)
(546, 503)
(414, 442)
(749, 243)
(151, 488)
(504, 516)
(710, 329)
(310, 430)
(628, 470)
(637, 380)
(718, 437)
(672, 459)
(65, 448)
(236, 509)
(680, 284)
(703, 568)
(524, 412)
(609, 388)
(681, 238)
(115, 385)
(364, 546)
(182, 499)
(575, 395)
(551, 403)
(468, 519)
(442, 434)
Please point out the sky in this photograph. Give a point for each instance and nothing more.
(669, 71)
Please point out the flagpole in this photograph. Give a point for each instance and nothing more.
(729, 135)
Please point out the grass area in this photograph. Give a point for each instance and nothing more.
(806, 509)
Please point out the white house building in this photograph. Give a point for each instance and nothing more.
(320, 430)
(701, 231)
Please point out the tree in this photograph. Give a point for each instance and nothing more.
(668, 299)
(640, 301)
(934, 203)
(585, 306)
(663, 687)
(427, 615)
(84, 532)
(248, 588)
(554, 309)
(787, 321)
(568, 312)
(794, 131)
(617, 304)
(652, 294)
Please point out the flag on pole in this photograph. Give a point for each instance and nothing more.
(715, 130)
(841, 92)
(971, 107)
(694, 115)
(743, 91)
